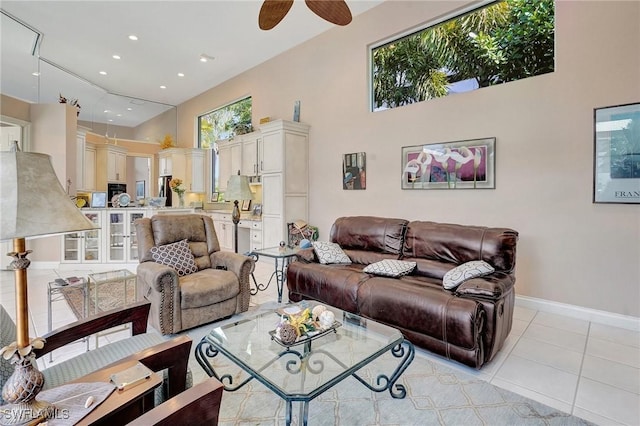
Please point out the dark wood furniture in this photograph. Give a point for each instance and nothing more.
(121, 406)
(199, 405)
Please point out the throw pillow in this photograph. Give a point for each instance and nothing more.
(330, 253)
(176, 255)
(466, 271)
(390, 268)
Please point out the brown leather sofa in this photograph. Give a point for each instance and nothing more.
(468, 325)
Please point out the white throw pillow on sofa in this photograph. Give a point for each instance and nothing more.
(390, 268)
(328, 252)
(466, 271)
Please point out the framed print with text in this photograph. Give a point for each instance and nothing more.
(616, 157)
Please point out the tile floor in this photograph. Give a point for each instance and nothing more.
(585, 368)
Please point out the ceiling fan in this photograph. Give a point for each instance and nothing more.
(273, 11)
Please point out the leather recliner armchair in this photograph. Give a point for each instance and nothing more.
(219, 289)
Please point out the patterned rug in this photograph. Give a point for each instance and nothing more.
(109, 296)
(436, 395)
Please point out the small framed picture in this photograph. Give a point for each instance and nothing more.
(139, 189)
(257, 209)
(98, 200)
(246, 205)
(214, 197)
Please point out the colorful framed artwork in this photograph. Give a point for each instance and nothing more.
(616, 157)
(354, 170)
(467, 164)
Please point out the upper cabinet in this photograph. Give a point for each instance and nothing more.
(186, 164)
(111, 165)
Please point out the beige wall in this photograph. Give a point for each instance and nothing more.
(570, 250)
(12, 107)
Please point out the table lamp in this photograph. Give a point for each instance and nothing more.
(237, 189)
(34, 204)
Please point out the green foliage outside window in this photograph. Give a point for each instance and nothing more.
(223, 123)
(226, 122)
(504, 41)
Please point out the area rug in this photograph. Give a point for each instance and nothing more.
(110, 296)
(436, 395)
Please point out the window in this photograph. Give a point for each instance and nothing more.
(497, 43)
(223, 123)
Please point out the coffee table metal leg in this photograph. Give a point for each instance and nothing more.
(404, 350)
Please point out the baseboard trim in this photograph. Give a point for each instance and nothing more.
(627, 322)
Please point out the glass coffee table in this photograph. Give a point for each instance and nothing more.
(303, 371)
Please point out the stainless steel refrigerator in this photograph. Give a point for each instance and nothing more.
(165, 189)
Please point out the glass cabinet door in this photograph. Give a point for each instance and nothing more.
(133, 239)
(92, 241)
(84, 247)
(116, 233)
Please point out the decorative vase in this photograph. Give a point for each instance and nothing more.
(180, 199)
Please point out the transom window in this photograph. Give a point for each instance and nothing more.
(500, 42)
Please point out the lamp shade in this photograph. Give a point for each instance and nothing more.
(33, 200)
(238, 188)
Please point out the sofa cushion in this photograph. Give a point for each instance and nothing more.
(375, 234)
(329, 252)
(390, 268)
(208, 287)
(176, 255)
(464, 272)
(456, 244)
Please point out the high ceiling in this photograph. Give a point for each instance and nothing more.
(77, 40)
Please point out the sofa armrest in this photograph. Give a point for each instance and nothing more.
(491, 287)
(240, 265)
(153, 274)
(136, 313)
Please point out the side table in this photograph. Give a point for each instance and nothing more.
(282, 257)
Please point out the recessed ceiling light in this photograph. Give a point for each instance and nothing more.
(180, 74)
(35, 73)
(110, 120)
(106, 111)
(133, 37)
(203, 59)
(116, 56)
(103, 73)
(118, 115)
(163, 87)
(129, 109)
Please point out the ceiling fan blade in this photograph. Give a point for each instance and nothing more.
(335, 11)
(272, 12)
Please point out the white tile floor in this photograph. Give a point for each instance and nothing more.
(588, 369)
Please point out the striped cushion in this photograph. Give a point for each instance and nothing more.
(96, 359)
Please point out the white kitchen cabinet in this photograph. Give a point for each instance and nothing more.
(229, 161)
(122, 246)
(250, 163)
(255, 241)
(285, 178)
(165, 163)
(194, 174)
(89, 178)
(111, 165)
(185, 164)
(85, 247)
